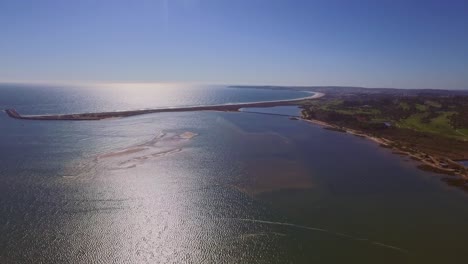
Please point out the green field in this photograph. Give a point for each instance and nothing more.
(438, 125)
(428, 116)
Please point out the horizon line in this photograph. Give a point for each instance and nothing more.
(87, 83)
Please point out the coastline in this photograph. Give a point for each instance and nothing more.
(229, 107)
(428, 162)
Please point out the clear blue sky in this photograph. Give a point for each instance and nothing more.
(374, 43)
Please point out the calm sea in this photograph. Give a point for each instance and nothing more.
(209, 187)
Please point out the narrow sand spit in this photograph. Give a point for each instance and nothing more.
(106, 115)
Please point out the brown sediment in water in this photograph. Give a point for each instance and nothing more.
(274, 175)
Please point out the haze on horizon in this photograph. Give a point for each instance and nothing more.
(402, 44)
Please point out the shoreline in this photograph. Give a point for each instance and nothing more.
(428, 162)
(228, 107)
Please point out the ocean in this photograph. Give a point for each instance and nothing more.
(209, 187)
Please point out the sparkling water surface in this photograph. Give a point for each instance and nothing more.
(209, 187)
(65, 99)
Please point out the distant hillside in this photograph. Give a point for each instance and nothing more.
(350, 90)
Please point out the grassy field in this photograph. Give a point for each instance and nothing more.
(426, 116)
(438, 125)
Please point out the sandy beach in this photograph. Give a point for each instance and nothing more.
(429, 162)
